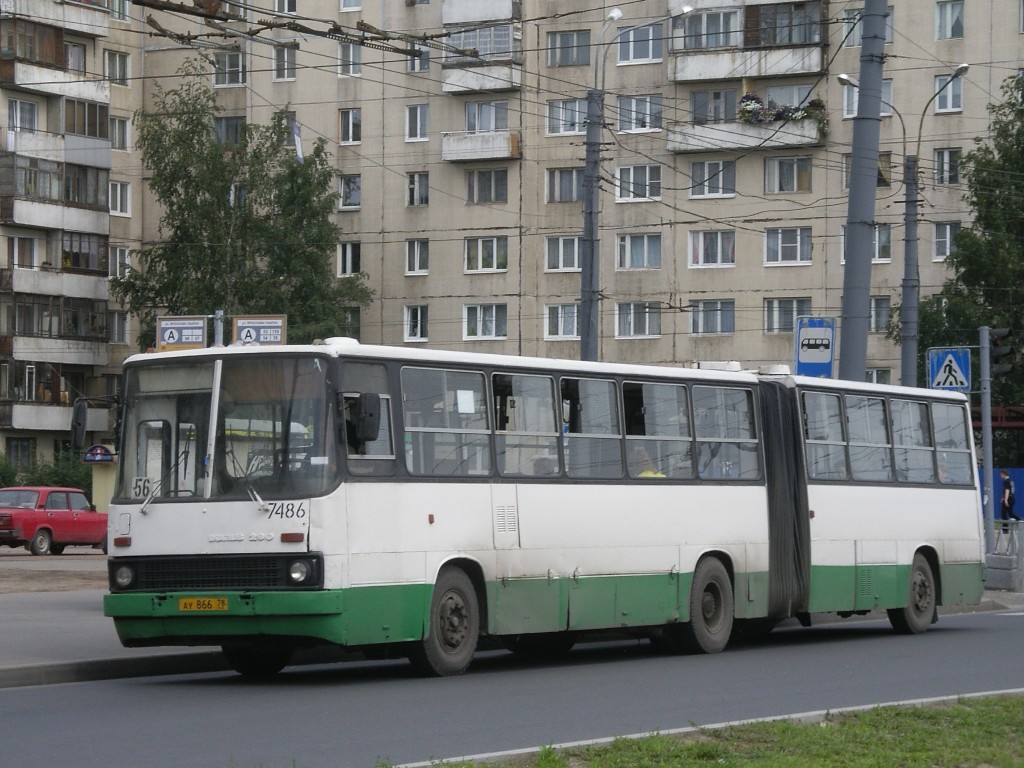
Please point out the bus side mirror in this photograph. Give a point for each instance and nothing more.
(366, 417)
(79, 420)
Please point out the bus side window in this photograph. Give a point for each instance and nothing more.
(525, 424)
(951, 439)
(658, 439)
(592, 442)
(870, 446)
(825, 445)
(369, 451)
(912, 442)
(727, 447)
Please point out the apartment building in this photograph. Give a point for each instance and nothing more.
(458, 129)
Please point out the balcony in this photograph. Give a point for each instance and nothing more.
(489, 78)
(465, 146)
(716, 137)
(48, 81)
(53, 214)
(736, 63)
(40, 144)
(90, 19)
(49, 417)
(478, 11)
(50, 281)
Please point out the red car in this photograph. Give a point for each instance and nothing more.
(46, 520)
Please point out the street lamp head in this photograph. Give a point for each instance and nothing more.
(845, 79)
(961, 70)
(615, 14)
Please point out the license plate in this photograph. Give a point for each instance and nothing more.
(192, 604)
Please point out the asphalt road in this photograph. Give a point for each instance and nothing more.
(356, 714)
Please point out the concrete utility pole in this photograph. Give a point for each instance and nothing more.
(860, 221)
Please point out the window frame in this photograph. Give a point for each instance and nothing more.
(498, 321)
(629, 190)
(350, 253)
(800, 172)
(229, 69)
(350, 187)
(562, 315)
(803, 237)
(951, 97)
(558, 109)
(575, 43)
(350, 124)
(780, 313)
(632, 41)
(478, 259)
(417, 256)
(651, 257)
(559, 242)
(284, 63)
(725, 173)
(417, 189)
(416, 323)
(640, 114)
(417, 125)
(698, 249)
(722, 310)
(496, 187)
(638, 320)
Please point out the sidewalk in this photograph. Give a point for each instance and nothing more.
(63, 637)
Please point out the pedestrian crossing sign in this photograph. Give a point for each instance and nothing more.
(949, 368)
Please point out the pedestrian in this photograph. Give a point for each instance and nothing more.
(1009, 491)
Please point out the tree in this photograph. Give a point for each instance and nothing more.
(246, 227)
(986, 282)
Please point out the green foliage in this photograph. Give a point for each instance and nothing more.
(246, 228)
(67, 469)
(8, 472)
(986, 283)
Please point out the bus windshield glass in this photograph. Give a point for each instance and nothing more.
(268, 433)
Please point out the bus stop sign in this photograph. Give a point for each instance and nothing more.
(815, 339)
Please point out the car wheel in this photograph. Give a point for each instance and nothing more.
(41, 542)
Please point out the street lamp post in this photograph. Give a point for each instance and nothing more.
(910, 286)
(590, 255)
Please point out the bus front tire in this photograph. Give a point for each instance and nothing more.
(454, 627)
(919, 612)
(257, 661)
(711, 608)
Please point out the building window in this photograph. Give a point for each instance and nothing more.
(640, 44)
(780, 314)
(486, 116)
(349, 259)
(120, 198)
(569, 49)
(85, 252)
(788, 245)
(485, 321)
(951, 98)
(119, 133)
(22, 115)
(115, 67)
(228, 130)
(74, 57)
(284, 6)
(784, 24)
(562, 321)
(351, 5)
(350, 60)
(117, 327)
(853, 29)
(949, 20)
(567, 116)
(713, 249)
(700, 30)
(947, 167)
(884, 177)
(563, 254)
(787, 174)
(350, 126)
(640, 113)
(418, 185)
(21, 252)
(351, 191)
(487, 186)
(881, 243)
(86, 118)
(851, 97)
(638, 252)
(881, 306)
(86, 186)
(635, 319)
(419, 63)
(415, 322)
(945, 232)
(118, 261)
(120, 10)
(713, 178)
(565, 185)
(713, 316)
(416, 122)
(789, 95)
(486, 254)
(490, 43)
(417, 257)
(21, 451)
(284, 62)
(228, 69)
(878, 375)
(713, 106)
(638, 182)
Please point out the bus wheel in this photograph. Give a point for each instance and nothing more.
(454, 627)
(919, 611)
(711, 608)
(257, 661)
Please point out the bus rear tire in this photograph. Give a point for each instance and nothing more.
(919, 612)
(711, 608)
(257, 661)
(454, 628)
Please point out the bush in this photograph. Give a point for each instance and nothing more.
(67, 469)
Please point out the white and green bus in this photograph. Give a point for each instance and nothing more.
(417, 502)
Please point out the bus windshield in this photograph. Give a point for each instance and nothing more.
(271, 423)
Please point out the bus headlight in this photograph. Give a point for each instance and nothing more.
(299, 572)
(124, 576)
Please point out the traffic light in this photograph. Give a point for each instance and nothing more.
(999, 349)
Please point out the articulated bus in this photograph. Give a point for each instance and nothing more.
(417, 502)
